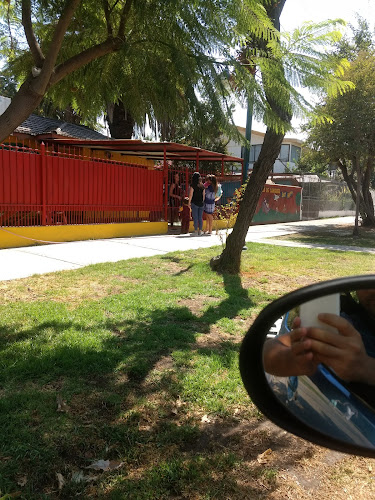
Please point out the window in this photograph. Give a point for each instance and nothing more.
(284, 153)
(254, 152)
(295, 154)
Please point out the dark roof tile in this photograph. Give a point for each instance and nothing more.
(38, 125)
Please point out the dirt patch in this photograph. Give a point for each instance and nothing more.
(281, 466)
(276, 284)
(215, 338)
(196, 304)
(50, 288)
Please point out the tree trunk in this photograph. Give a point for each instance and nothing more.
(358, 197)
(274, 12)
(20, 108)
(120, 121)
(368, 203)
(366, 206)
(230, 259)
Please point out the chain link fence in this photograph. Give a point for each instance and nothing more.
(324, 198)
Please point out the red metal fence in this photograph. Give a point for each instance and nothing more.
(41, 187)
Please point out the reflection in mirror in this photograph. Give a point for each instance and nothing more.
(319, 360)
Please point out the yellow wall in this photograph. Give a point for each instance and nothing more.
(14, 237)
(217, 224)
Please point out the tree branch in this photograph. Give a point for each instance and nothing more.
(114, 5)
(34, 46)
(43, 79)
(107, 18)
(123, 18)
(62, 70)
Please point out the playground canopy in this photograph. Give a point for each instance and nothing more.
(162, 151)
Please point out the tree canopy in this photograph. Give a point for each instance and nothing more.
(303, 59)
(163, 58)
(347, 138)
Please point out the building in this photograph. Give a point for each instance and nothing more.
(36, 128)
(290, 151)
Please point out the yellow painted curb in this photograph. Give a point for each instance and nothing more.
(13, 237)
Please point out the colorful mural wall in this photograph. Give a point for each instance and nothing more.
(278, 203)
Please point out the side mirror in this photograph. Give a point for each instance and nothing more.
(320, 406)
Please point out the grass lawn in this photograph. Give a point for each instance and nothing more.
(337, 236)
(121, 381)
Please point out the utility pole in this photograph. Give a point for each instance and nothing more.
(249, 121)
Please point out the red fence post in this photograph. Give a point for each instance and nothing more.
(165, 185)
(44, 182)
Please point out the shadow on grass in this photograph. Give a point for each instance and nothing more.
(103, 379)
(52, 350)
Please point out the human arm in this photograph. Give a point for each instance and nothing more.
(344, 351)
(219, 193)
(191, 191)
(288, 355)
(172, 194)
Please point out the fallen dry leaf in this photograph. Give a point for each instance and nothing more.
(265, 457)
(105, 465)
(205, 419)
(179, 402)
(61, 404)
(60, 480)
(22, 480)
(79, 477)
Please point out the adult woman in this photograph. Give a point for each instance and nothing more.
(196, 199)
(175, 196)
(212, 194)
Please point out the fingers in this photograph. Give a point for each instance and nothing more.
(297, 334)
(296, 322)
(342, 325)
(325, 350)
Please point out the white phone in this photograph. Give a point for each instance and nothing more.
(309, 311)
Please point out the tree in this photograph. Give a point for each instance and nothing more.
(296, 59)
(348, 139)
(88, 53)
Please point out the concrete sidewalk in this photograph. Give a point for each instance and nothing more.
(26, 261)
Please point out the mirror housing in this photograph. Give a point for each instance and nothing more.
(252, 370)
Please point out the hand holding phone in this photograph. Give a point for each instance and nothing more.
(309, 311)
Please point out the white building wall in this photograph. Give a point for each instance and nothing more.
(4, 103)
(234, 148)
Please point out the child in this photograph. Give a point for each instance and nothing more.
(212, 195)
(208, 181)
(185, 216)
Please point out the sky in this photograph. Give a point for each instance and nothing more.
(296, 12)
